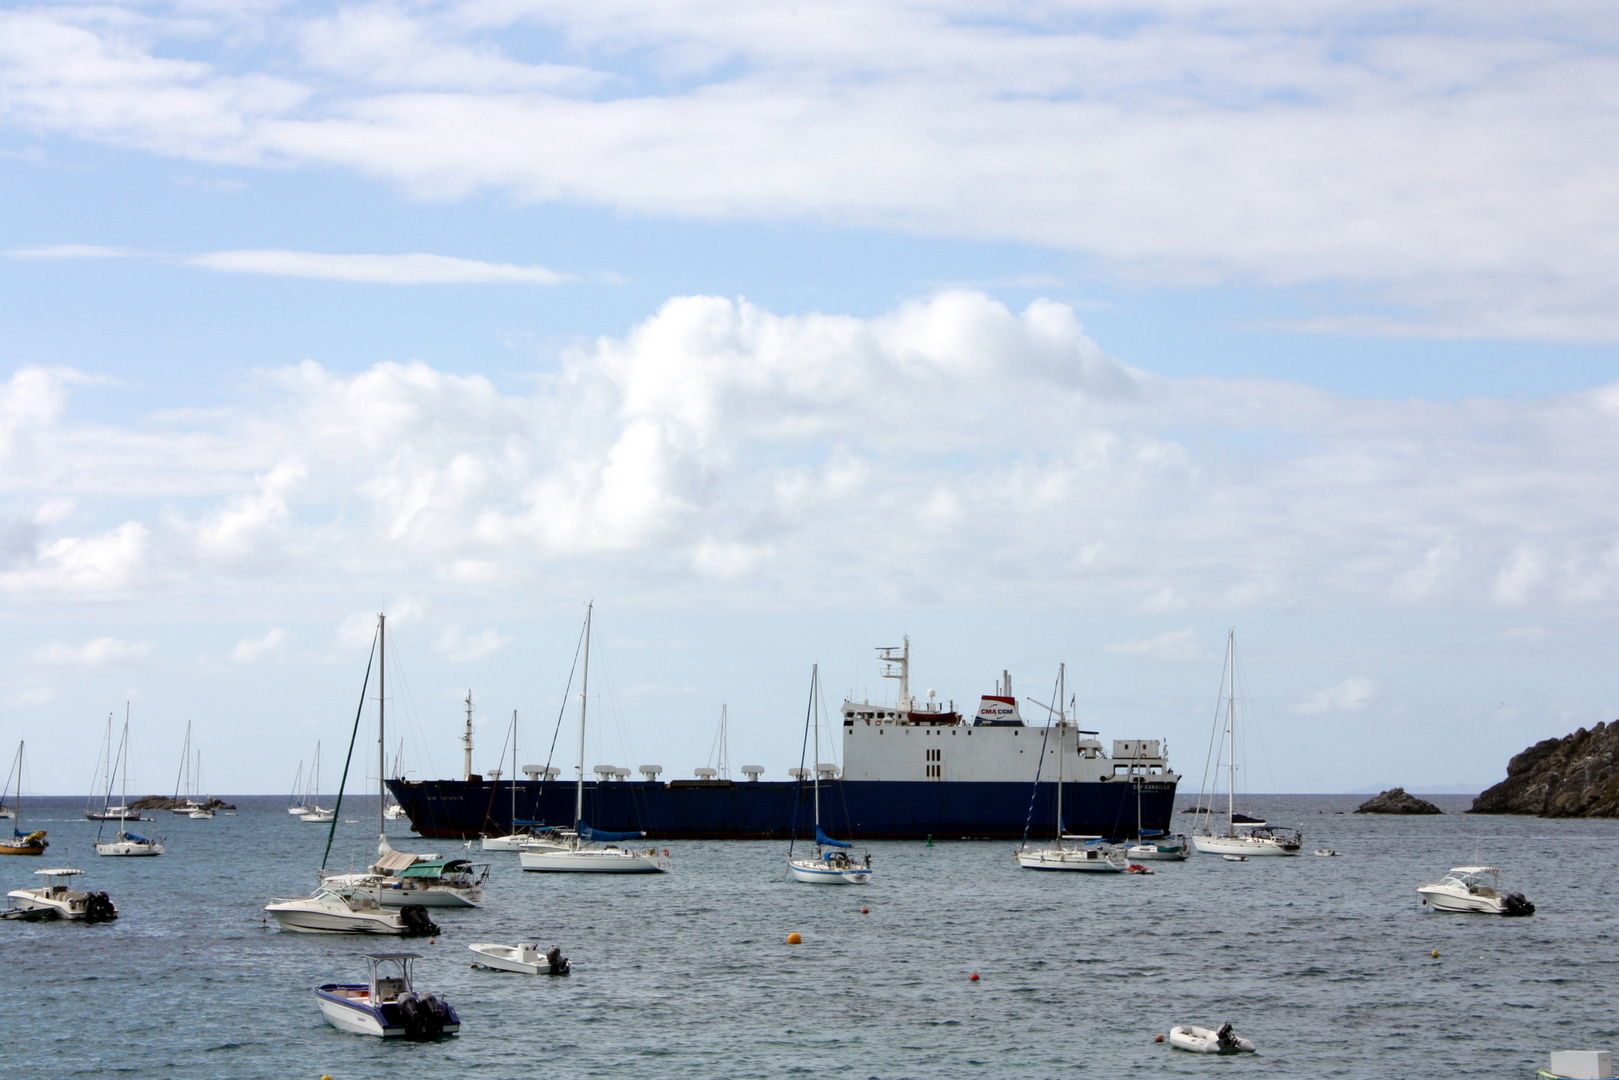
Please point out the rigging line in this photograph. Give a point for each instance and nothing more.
(500, 766)
(1035, 791)
(337, 810)
(1204, 794)
(550, 755)
(792, 835)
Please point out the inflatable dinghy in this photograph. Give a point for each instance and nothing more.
(1201, 1040)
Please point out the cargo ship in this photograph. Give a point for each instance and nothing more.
(911, 770)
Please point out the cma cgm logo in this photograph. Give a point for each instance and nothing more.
(995, 709)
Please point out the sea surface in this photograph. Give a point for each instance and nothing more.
(1324, 962)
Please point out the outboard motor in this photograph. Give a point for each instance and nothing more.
(98, 908)
(1515, 903)
(417, 924)
(558, 962)
(1227, 1040)
(423, 1016)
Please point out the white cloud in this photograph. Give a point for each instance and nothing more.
(1524, 570)
(1351, 695)
(252, 650)
(37, 695)
(70, 251)
(1451, 161)
(415, 268)
(463, 647)
(98, 652)
(1171, 645)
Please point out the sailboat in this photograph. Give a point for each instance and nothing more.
(395, 812)
(184, 781)
(21, 843)
(311, 810)
(522, 835)
(204, 810)
(298, 804)
(107, 768)
(340, 904)
(1091, 853)
(399, 878)
(1243, 835)
(126, 843)
(829, 867)
(584, 849)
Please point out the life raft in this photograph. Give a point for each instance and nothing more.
(1201, 1040)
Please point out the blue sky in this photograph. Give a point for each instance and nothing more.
(1042, 333)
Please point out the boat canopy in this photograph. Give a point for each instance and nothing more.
(435, 868)
(826, 841)
(391, 861)
(602, 836)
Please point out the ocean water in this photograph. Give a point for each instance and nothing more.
(1325, 963)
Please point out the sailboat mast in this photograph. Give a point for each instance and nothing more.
(815, 763)
(1231, 731)
(382, 723)
(123, 774)
(1062, 744)
(584, 696)
(514, 770)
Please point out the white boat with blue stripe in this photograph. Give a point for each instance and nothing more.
(387, 1003)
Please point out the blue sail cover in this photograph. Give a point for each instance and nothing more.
(136, 839)
(600, 836)
(826, 841)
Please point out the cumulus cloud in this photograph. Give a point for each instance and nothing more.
(1175, 645)
(1441, 157)
(951, 450)
(252, 650)
(1351, 695)
(97, 652)
(464, 647)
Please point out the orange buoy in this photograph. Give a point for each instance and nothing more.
(1157, 1038)
(973, 977)
(794, 939)
(865, 911)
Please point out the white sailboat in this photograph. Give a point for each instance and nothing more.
(585, 850)
(311, 810)
(1091, 853)
(298, 804)
(833, 863)
(1243, 835)
(399, 878)
(338, 907)
(126, 843)
(185, 780)
(203, 809)
(395, 812)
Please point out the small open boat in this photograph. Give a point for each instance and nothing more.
(1234, 858)
(387, 1003)
(524, 958)
(1474, 890)
(1202, 1040)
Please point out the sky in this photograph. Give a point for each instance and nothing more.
(1041, 333)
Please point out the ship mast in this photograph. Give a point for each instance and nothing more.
(466, 742)
(897, 663)
(1231, 731)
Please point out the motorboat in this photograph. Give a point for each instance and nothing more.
(387, 1003)
(1327, 853)
(1243, 835)
(58, 900)
(429, 882)
(349, 911)
(1096, 856)
(1474, 889)
(395, 813)
(1158, 846)
(1229, 857)
(834, 862)
(128, 844)
(1202, 1040)
(523, 958)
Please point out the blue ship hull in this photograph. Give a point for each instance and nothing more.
(769, 810)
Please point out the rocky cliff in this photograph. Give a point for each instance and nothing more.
(1396, 801)
(1575, 776)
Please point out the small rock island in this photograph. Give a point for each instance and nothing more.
(1396, 801)
(1575, 776)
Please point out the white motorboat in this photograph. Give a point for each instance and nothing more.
(387, 1003)
(523, 958)
(1095, 855)
(1202, 1040)
(1327, 853)
(395, 813)
(1229, 857)
(587, 850)
(348, 911)
(1158, 846)
(833, 863)
(129, 845)
(1092, 854)
(57, 900)
(1243, 835)
(428, 882)
(1474, 890)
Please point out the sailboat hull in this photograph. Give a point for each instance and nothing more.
(817, 872)
(1081, 859)
(1244, 845)
(605, 861)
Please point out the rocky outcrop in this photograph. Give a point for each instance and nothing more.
(1575, 776)
(163, 802)
(1396, 801)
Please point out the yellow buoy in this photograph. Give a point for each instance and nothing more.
(794, 939)
(1435, 954)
